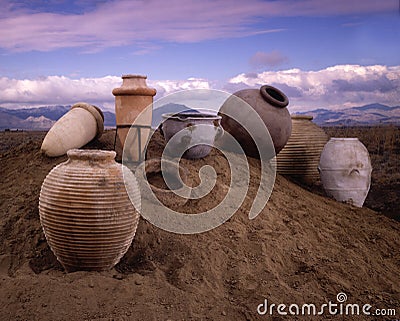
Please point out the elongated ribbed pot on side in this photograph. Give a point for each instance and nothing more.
(300, 156)
(87, 216)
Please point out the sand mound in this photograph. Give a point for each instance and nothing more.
(303, 248)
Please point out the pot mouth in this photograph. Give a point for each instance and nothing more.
(274, 96)
(190, 116)
(305, 117)
(133, 76)
(91, 154)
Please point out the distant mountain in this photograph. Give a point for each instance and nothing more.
(109, 119)
(8, 121)
(371, 114)
(374, 106)
(40, 122)
(50, 112)
(40, 118)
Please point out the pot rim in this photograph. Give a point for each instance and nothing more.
(274, 96)
(91, 154)
(128, 76)
(97, 114)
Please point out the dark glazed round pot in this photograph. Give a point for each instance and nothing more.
(270, 104)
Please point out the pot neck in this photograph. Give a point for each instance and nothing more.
(94, 155)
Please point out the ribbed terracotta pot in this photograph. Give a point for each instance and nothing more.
(87, 216)
(270, 104)
(345, 168)
(131, 102)
(300, 156)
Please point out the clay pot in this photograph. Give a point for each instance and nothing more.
(133, 104)
(270, 104)
(300, 157)
(87, 216)
(157, 178)
(203, 129)
(75, 129)
(345, 169)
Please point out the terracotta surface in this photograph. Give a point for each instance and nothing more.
(270, 104)
(300, 157)
(86, 214)
(131, 102)
(345, 168)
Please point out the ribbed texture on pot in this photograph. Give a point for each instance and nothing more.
(300, 157)
(85, 211)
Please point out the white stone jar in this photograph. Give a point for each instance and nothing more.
(345, 169)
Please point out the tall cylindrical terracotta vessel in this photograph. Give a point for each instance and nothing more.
(87, 216)
(345, 169)
(300, 157)
(270, 104)
(131, 99)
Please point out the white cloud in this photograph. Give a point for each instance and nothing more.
(334, 87)
(53, 90)
(124, 22)
(56, 90)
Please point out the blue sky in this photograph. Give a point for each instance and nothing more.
(321, 53)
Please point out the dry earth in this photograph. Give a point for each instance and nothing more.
(302, 248)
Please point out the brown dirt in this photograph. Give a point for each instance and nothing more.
(302, 248)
